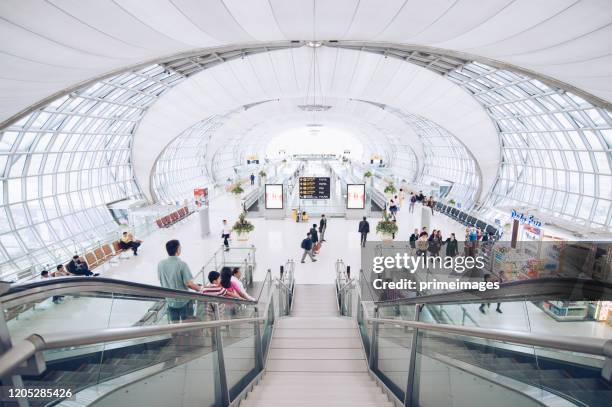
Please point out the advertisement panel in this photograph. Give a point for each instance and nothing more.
(355, 196)
(274, 196)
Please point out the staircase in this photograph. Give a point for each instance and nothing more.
(316, 358)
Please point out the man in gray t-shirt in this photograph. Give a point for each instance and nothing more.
(174, 273)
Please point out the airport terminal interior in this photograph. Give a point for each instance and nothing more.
(205, 203)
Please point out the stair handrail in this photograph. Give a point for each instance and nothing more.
(28, 347)
(591, 346)
(28, 351)
(27, 293)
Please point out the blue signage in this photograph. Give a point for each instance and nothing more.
(530, 220)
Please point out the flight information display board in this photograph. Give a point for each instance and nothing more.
(314, 187)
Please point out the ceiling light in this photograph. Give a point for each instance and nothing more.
(314, 108)
(314, 44)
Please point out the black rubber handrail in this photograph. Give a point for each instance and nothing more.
(550, 288)
(31, 292)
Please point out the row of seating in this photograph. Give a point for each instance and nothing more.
(465, 218)
(104, 253)
(172, 218)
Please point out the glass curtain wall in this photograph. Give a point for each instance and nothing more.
(61, 164)
(182, 166)
(446, 158)
(555, 146)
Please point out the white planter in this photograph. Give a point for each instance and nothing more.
(386, 237)
(242, 237)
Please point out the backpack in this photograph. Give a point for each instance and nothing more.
(413, 199)
(303, 246)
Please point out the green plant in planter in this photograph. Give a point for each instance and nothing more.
(242, 225)
(284, 161)
(368, 174)
(390, 189)
(262, 174)
(452, 202)
(237, 189)
(386, 226)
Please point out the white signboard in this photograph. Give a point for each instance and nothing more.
(274, 196)
(355, 196)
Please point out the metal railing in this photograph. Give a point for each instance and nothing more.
(242, 257)
(345, 287)
(286, 287)
(417, 335)
(27, 356)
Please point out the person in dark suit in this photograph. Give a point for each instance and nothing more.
(364, 229)
(78, 267)
(322, 227)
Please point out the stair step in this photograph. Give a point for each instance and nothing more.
(327, 398)
(329, 343)
(338, 403)
(303, 365)
(316, 353)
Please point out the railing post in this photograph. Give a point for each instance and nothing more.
(411, 396)
(373, 362)
(258, 347)
(223, 388)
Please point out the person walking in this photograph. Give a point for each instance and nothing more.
(175, 274)
(413, 238)
(364, 229)
(490, 278)
(452, 247)
(225, 234)
(314, 236)
(413, 199)
(307, 246)
(430, 204)
(393, 208)
(322, 227)
(252, 177)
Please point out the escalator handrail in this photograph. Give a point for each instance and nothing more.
(550, 288)
(40, 290)
(26, 348)
(588, 345)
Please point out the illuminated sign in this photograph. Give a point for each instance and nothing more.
(355, 196)
(274, 196)
(314, 187)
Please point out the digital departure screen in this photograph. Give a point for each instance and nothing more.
(314, 187)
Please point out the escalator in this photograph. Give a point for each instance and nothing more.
(444, 348)
(102, 339)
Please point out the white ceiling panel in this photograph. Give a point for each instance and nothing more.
(548, 37)
(256, 18)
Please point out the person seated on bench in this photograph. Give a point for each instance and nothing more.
(78, 267)
(127, 241)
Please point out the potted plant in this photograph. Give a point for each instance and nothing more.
(386, 228)
(237, 189)
(390, 190)
(452, 202)
(368, 174)
(263, 174)
(284, 161)
(243, 227)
